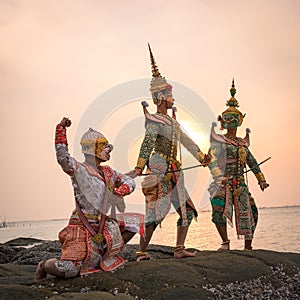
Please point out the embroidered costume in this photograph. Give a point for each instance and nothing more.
(95, 190)
(159, 153)
(229, 157)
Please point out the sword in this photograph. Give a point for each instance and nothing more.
(201, 165)
(173, 171)
(248, 170)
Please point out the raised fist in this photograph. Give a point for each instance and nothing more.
(206, 160)
(65, 122)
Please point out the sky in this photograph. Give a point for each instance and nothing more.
(58, 58)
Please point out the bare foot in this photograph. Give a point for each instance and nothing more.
(143, 257)
(40, 273)
(183, 253)
(225, 246)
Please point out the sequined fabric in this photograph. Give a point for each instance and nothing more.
(229, 158)
(160, 152)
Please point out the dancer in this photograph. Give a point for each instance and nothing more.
(92, 240)
(229, 190)
(159, 154)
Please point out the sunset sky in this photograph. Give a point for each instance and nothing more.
(58, 58)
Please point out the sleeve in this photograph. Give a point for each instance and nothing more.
(252, 163)
(63, 157)
(215, 151)
(190, 145)
(124, 185)
(147, 144)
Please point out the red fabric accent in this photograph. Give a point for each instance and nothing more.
(61, 135)
(118, 180)
(142, 230)
(108, 172)
(123, 190)
(93, 172)
(234, 182)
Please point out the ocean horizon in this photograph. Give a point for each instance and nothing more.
(277, 230)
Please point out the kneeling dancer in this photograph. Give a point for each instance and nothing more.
(92, 240)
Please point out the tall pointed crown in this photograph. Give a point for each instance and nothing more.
(155, 71)
(233, 104)
(158, 83)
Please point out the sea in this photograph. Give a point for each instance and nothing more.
(278, 229)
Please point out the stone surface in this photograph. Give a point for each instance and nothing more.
(254, 274)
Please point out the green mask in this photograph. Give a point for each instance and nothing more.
(230, 120)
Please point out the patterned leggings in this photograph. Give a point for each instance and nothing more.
(218, 206)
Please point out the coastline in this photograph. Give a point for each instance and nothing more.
(256, 274)
(173, 212)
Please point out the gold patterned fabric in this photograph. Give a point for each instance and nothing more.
(160, 152)
(229, 158)
(73, 241)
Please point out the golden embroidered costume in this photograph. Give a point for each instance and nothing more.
(159, 153)
(86, 248)
(229, 156)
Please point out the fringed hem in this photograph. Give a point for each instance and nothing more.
(247, 237)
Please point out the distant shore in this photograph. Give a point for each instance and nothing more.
(257, 274)
(7, 221)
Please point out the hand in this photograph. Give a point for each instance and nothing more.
(65, 122)
(134, 173)
(206, 160)
(118, 201)
(263, 185)
(221, 180)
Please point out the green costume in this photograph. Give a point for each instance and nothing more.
(229, 157)
(159, 152)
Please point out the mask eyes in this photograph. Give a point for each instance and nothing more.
(228, 119)
(109, 147)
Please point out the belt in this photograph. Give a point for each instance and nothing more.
(167, 157)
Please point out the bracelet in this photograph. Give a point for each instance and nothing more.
(179, 248)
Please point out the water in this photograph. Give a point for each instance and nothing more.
(278, 229)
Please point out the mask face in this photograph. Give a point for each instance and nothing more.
(102, 151)
(170, 101)
(164, 95)
(230, 120)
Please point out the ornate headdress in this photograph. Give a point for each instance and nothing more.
(158, 83)
(93, 142)
(231, 111)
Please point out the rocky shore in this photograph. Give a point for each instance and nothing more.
(257, 274)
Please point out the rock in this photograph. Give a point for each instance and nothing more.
(254, 274)
(21, 242)
(6, 253)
